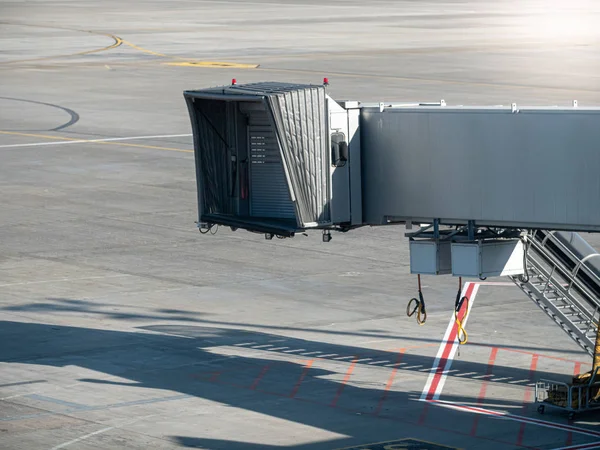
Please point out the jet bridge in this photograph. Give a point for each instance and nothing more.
(491, 190)
(275, 158)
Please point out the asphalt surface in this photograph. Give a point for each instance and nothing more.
(122, 327)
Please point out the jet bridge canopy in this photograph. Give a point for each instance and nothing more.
(262, 156)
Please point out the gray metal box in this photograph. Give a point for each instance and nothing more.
(429, 257)
(487, 258)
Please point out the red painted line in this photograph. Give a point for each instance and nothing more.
(403, 421)
(557, 358)
(514, 417)
(204, 376)
(484, 385)
(260, 376)
(441, 367)
(307, 367)
(576, 371)
(390, 381)
(528, 394)
(423, 415)
(346, 379)
(453, 431)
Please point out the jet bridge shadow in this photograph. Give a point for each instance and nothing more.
(217, 364)
(106, 310)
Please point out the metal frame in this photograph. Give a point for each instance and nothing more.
(469, 232)
(544, 387)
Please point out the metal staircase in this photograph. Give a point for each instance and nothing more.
(564, 282)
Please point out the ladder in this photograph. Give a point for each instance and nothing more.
(563, 284)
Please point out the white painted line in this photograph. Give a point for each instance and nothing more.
(443, 360)
(478, 377)
(152, 332)
(516, 418)
(58, 280)
(82, 438)
(590, 446)
(85, 141)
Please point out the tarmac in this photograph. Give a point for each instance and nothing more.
(122, 327)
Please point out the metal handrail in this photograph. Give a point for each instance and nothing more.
(575, 302)
(569, 275)
(580, 262)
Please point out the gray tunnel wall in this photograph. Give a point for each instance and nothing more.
(528, 168)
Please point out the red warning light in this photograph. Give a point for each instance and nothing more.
(326, 81)
(233, 82)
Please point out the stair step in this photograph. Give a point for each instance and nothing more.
(580, 321)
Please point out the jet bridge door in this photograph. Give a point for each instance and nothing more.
(269, 192)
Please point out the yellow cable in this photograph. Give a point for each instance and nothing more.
(421, 313)
(421, 318)
(460, 329)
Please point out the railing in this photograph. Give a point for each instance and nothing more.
(560, 290)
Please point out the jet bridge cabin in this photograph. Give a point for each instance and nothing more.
(275, 158)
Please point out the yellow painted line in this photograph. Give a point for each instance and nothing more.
(42, 136)
(213, 64)
(154, 147)
(91, 141)
(145, 50)
(117, 43)
(187, 63)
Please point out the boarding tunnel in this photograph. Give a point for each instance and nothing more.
(281, 158)
(275, 158)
